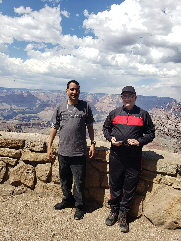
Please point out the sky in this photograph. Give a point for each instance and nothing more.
(103, 44)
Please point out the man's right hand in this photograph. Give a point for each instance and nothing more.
(50, 154)
(114, 142)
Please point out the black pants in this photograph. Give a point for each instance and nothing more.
(123, 179)
(73, 169)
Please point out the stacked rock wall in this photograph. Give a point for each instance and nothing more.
(24, 166)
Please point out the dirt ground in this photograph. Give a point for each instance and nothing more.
(31, 217)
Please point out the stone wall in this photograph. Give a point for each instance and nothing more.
(24, 166)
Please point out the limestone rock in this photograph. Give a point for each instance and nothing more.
(149, 176)
(6, 189)
(22, 174)
(141, 187)
(33, 156)
(177, 184)
(137, 206)
(55, 172)
(11, 143)
(8, 160)
(101, 153)
(19, 190)
(161, 162)
(42, 187)
(7, 152)
(2, 170)
(95, 194)
(92, 176)
(43, 171)
(37, 146)
(99, 165)
(163, 206)
(168, 180)
(158, 194)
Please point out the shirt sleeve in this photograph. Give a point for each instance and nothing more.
(90, 118)
(149, 130)
(55, 120)
(107, 127)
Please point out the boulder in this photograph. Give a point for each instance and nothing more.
(137, 206)
(99, 165)
(163, 206)
(93, 178)
(7, 152)
(54, 189)
(22, 174)
(95, 194)
(37, 146)
(9, 160)
(2, 170)
(33, 156)
(6, 190)
(20, 189)
(43, 171)
(11, 143)
(161, 162)
(55, 172)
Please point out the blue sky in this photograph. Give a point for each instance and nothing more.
(103, 44)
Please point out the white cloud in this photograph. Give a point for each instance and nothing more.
(86, 14)
(22, 10)
(65, 13)
(37, 26)
(3, 47)
(137, 43)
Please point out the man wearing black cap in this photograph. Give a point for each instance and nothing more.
(128, 128)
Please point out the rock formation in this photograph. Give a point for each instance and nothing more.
(24, 166)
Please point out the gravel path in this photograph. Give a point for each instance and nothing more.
(31, 217)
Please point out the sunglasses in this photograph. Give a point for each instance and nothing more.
(127, 96)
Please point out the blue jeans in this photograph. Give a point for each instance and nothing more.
(72, 169)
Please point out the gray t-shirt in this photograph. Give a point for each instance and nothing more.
(71, 120)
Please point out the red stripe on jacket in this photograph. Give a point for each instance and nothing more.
(128, 120)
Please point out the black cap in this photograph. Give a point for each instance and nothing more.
(129, 89)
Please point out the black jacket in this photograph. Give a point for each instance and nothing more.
(126, 124)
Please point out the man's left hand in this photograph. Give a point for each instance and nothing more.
(133, 142)
(91, 151)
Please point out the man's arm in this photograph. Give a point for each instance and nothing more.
(53, 133)
(149, 131)
(107, 128)
(91, 135)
